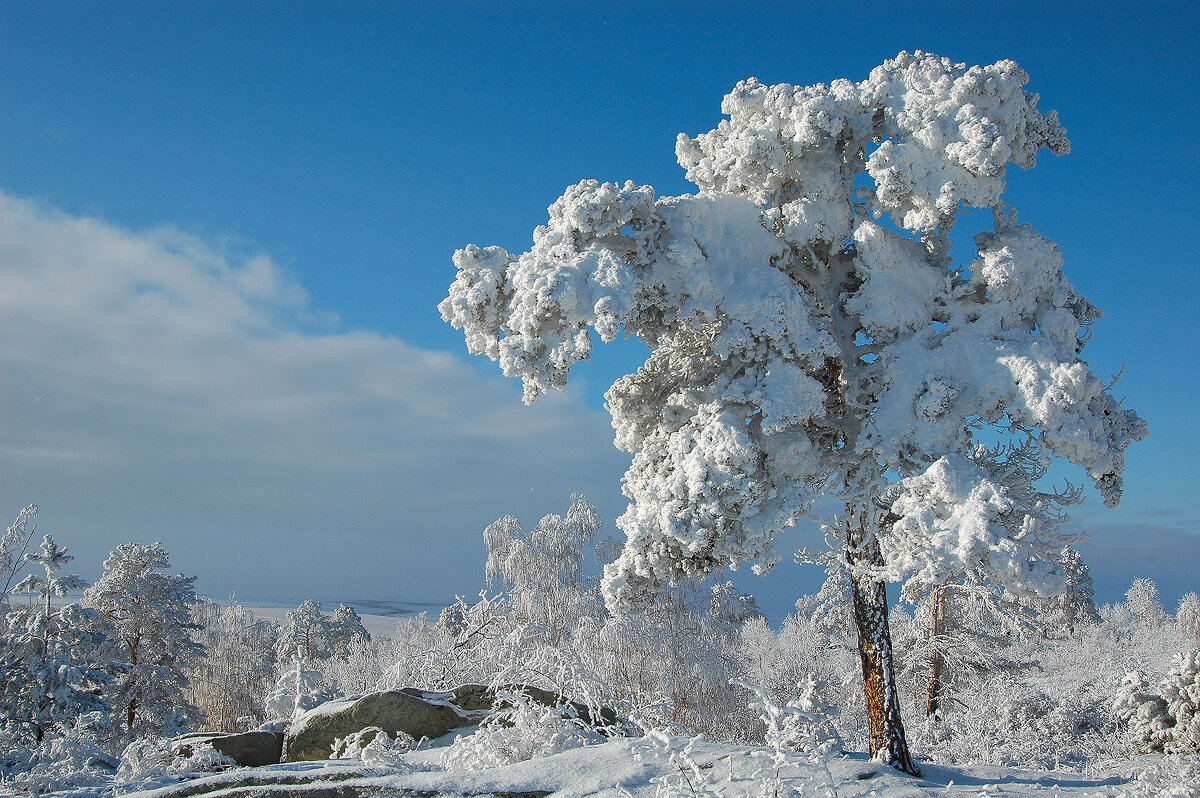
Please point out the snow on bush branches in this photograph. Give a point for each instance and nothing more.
(1167, 721)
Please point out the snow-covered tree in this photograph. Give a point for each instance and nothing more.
(1143, 602)
(1076, 604)
(1187, 619)
(230, 683)
(298, 689)
(13, 547)
(542, 570)
(307, 630)
(46, 665)
(345, 630)
(147, 614)
(978, 530)
(810, 329)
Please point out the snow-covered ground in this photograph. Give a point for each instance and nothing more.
(640, 768)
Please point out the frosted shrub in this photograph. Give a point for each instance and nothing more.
(166, 761)
(524, 730)
(542, 569)
(1167, 719)
(798, 726)
(69, 757)
(687, 777)
(811, 646)
(674, 660)
(373, 746)
(13, 546)
(423, 654)
(298, 690)
(360, 668)
(1008, 721)
(1170, 777)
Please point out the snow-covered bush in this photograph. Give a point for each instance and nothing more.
(542, 570)
(1008, 721)
(359, 668)
(1143, 602)
(523, 730)
(13, 546)
(147, 761)
(431, 656)
(298, 689)
(1169, 777)
(686, 777)
(373, 746)
(69, 757)
(801, 725)
(1166, 719)
(674, 661)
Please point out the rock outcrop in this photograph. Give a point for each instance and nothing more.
(418, 713)
(247, 749)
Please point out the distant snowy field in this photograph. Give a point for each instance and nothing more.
(378, 617)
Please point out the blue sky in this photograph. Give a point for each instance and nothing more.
(229, 225)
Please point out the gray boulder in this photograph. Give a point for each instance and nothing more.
(249, 749)
(418, 713)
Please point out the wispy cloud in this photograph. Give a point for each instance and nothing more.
(154, 386)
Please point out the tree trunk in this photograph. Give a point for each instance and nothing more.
(131, 710)
(937, 662)
(886, 731)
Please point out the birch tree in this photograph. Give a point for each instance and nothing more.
(810, 330)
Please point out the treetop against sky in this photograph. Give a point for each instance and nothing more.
(226, 230)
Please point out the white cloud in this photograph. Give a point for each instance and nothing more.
(154, 388)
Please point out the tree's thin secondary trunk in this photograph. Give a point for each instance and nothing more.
(131, 711)
(884, 726)
(937, 662)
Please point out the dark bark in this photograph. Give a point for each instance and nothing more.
(884, 726)
(937, 661)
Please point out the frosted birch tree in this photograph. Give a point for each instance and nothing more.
(810, 331)
(542, 570)
(13, 547)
